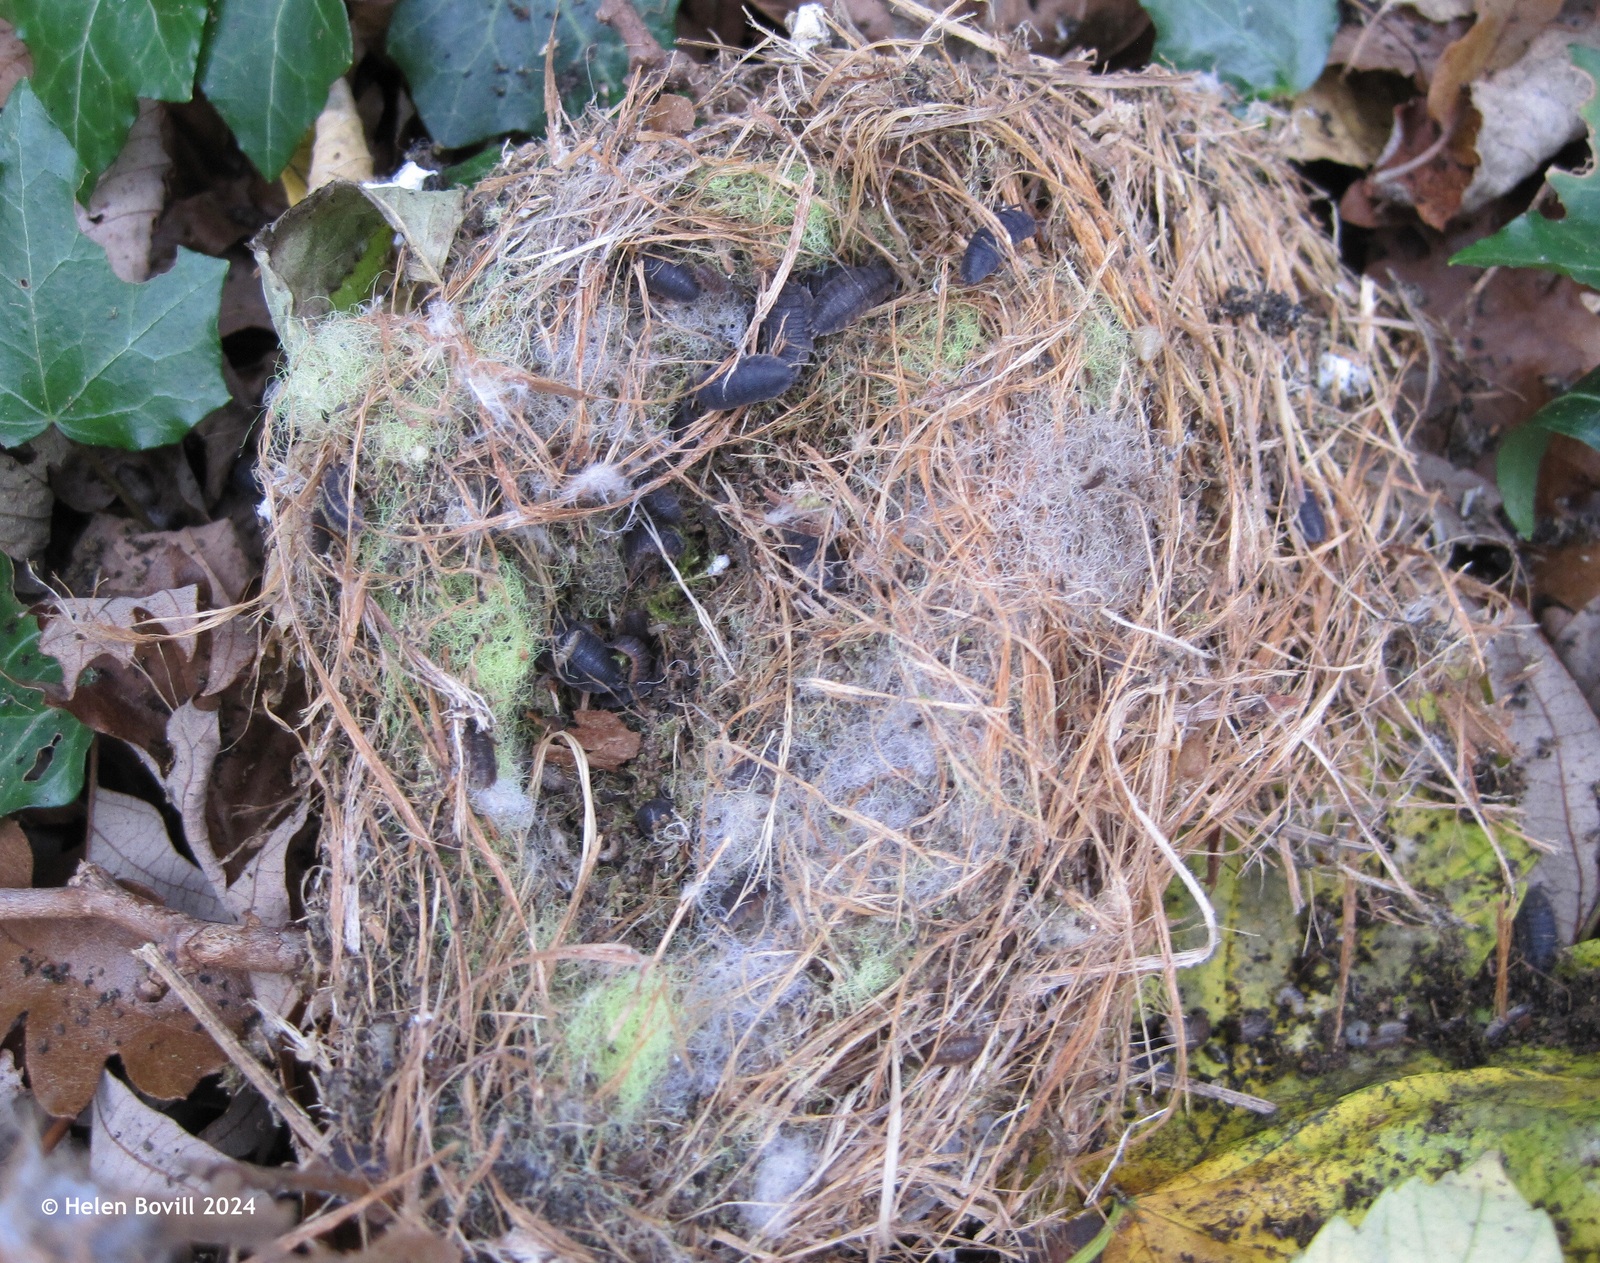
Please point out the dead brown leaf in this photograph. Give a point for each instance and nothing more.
(139, 1152)
(1498, 38)
(671, 113)
(128, 838)
(1341, 118)
(127, 199)
(25, 504)
(1397, 39)
(607, 741)
(1427, 165)
(1569, 574)
(86, 998)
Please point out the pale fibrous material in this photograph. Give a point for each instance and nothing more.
(938, 622)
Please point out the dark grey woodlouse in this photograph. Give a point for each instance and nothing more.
(586, 662)
(984, 256)
(1538, 937)
(652, 816)
(753, 379)
(482, 763)
(1313, 526)
(787, 332)
(845, 293)
(640, 548)
(669, 281)
(339, 510)
(957, 1050)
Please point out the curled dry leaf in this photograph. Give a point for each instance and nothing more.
(340, 149)
(135, 1151)
(128, 838)
(87, 998)
(127, 199)
(1558, 743)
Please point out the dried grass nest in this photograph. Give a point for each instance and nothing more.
(1023, 591)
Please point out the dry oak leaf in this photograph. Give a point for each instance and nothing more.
(607, 741)
(84, 997)
(128, 198)
(136, 1151)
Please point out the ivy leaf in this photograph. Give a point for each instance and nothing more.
(1575, 414)
(476, 67)
(267, 67)
(93, 59)
(1570, 245)
(41, 748)
(111, 363)
(1261, 47)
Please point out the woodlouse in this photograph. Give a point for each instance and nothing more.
(787, 332)
(652, 816)
(586, 662)
(984, 256)
(640, 547)
(1313, 526)
(482, 764)
(753, 379)
(340, 510)
(845, 293)
(1538, 937)
(957, 1050)
(669, 281)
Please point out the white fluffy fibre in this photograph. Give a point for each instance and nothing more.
(505, 803)
(601, 483)
(784, 1166)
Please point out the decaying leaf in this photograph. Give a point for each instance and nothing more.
(340, 150)
(25, 504)
(1558, 743)
(1471, 1216)
(128, 838)
(138, 1152)
(15, 64)
(1576, 640)
(1265, 1197)
(607, 741)
(127, 199)
(86, 998)
(1335, 120)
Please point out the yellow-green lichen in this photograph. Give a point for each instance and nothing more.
(764, 199)
(930, 345)
(621, 1033)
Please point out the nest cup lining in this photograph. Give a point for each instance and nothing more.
(925, 800)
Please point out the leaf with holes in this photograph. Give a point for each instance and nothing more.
(111, 363)
(41, 748)
(476, 67)
(93, 60)
(1263, 49)
(267, 66)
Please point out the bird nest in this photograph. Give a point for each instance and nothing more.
(746, 828)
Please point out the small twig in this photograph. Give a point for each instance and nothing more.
(306, 1131)
(193, 943)
(644, 50)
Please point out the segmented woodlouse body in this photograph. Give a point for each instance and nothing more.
(1313, 526)
(957, 1050)
(984, 256)
(669, 281)
(753, 379)
(482, 765)
(586, 662)
(786, 332)
(663, 504)
(845, 293)
(823, 566)
(653, 816)
(1538, 937)
(640, 548)
(340, 510)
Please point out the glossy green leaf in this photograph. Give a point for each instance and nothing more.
(93, 59)
(267, 67)
(476, 67)
(1570, 244)
(1575, 414)
(111, 363)
(41, 748)
(1261, 47)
